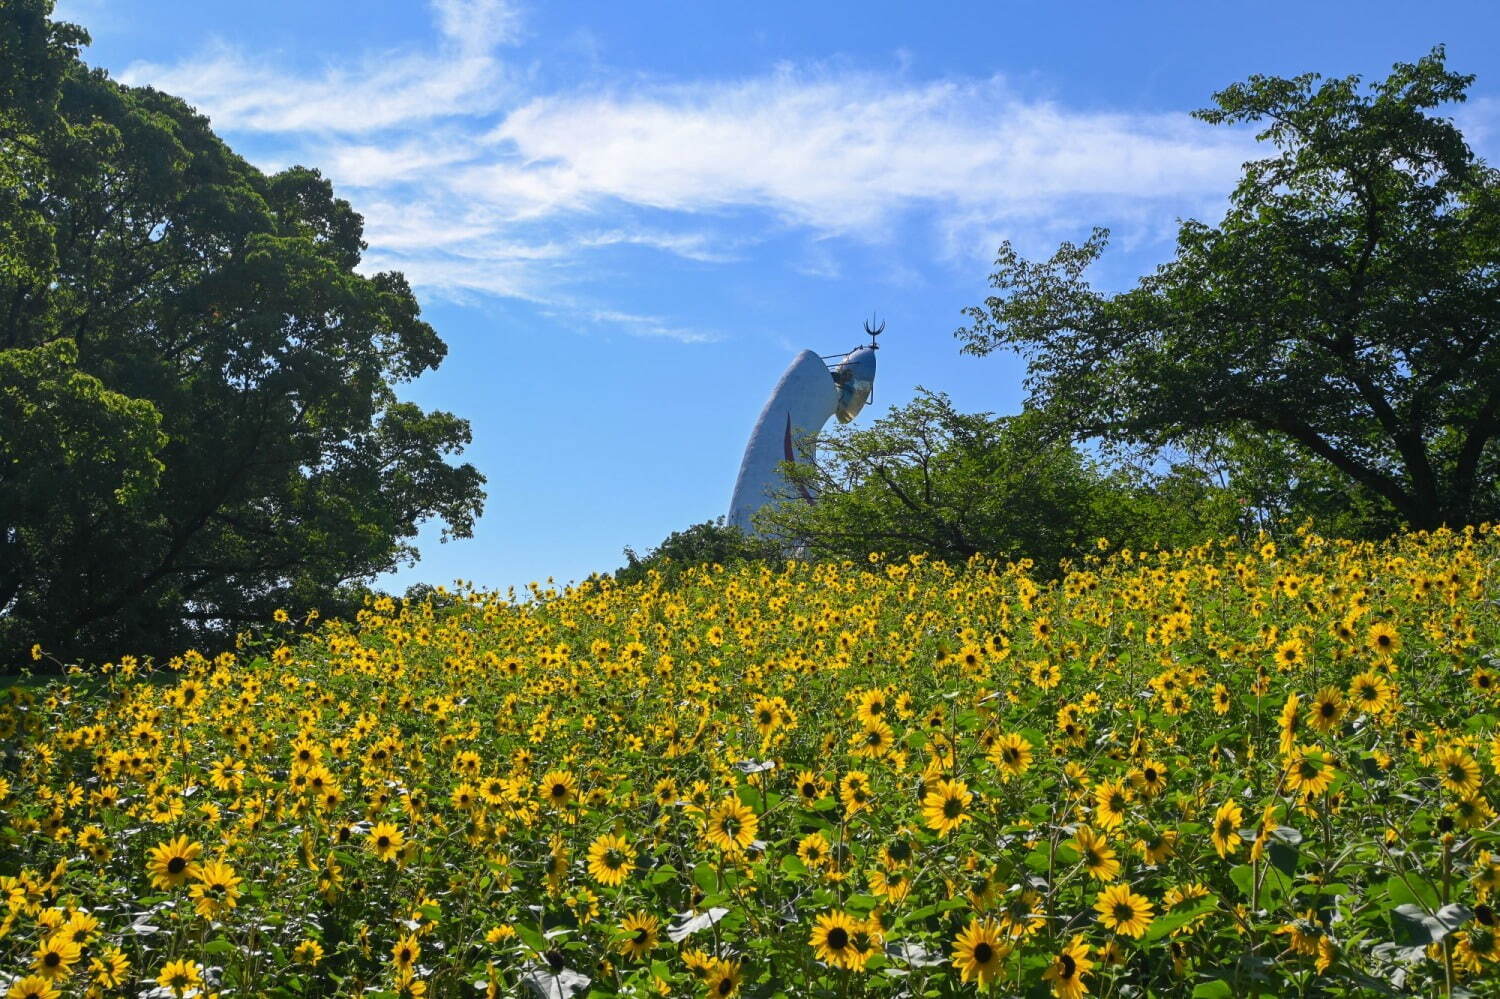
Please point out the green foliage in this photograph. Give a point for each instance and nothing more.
(710, 543)
(928, 479)
(1348, 305)
(199, 419)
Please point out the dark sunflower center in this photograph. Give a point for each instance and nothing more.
(1124, 912)
(1069, 967)
(838, 938)
(726, 986)
(1151, 775)
(952, 808)
(176, 865)
(52, 959)
(983, 953)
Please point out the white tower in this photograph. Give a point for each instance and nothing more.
(806, 396)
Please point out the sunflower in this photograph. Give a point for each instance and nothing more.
(866, 941)
(640, 933)
(979, 951)
(308, 953)
(1303, 933)
(873, 705)
(1226, 828)
(1327, 709)
(110, 968)
(810, 788)
(894, 884)
(558, 788)
(665, 792)
(173, 863)
(1472, 811)
(1157, 846)
(216, 890)
(766, 716)
(32, 987)
(180, 976)
(900, 851)
(1457, 771)
(1123, 911)
(1292, 652)
(854, 791)
(722, 978)
(610, 859)
(1475, 947)
(1290, 714)
(874, 740)
(81, 928)
(385, 841)
(1308, 771)
(1383, 639)
(1098, 859)
(1221, 699)
(944, 806)
(1370, 692)
(406, 951)
(732, 826)
(55, 957)
(832, 938)
(1068, 968)
(813, 849)
(1110, 801)
(1150, 778)
(1044, 675)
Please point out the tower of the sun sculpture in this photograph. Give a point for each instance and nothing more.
(808, 393)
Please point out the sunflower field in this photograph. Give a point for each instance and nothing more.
(1262, 770)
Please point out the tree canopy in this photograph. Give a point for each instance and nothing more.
(1347, 305)
(198, 409)
(927, 478)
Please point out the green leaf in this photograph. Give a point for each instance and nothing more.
(706, 877)
(1416, 927)
(1177, 918)
(1411, 891)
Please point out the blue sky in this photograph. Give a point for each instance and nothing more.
(625, 219)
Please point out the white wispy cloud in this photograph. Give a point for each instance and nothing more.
(460, 76)
(471, 184)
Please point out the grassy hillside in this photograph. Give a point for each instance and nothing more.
(1225, 771)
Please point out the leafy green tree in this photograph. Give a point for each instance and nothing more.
(926, 478)
(198, 418)
(1347, 306)
(712, 542)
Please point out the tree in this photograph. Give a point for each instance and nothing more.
(926, 478)
(198, 418)
(1347, 305)
(712, 542)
